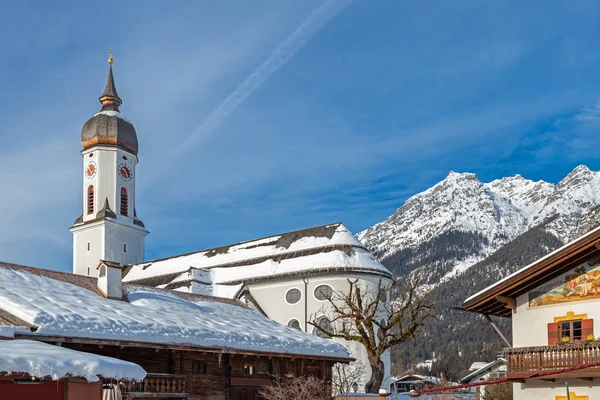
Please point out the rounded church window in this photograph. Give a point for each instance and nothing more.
(323, 292)
(324, 324)
(294, 323)
(293, 296)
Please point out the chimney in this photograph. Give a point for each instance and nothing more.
(109, 279)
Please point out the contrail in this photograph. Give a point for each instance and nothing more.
(282, 54)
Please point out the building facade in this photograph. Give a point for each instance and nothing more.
(554, 305)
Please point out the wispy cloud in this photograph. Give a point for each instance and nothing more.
(281, 55)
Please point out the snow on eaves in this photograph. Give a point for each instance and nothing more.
(151, 316)
(44, 360)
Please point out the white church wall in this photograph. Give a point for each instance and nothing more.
(124, 244)
(88, 248)
(271, 296)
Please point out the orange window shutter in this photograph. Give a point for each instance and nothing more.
(587, 328)
(552, 333)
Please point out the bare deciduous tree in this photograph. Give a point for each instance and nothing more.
(301, 388)
(364, 316)
(346, 375)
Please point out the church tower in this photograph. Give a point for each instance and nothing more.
(108, 228)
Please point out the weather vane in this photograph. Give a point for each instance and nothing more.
(110, 59)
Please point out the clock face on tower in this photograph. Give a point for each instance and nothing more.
(125, 172)
(90, 170)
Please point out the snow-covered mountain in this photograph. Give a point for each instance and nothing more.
(462, 235)
(474, 219)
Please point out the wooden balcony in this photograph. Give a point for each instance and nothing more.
(550, 358)
(157, 386)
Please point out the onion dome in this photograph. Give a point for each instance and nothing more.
(109, 126)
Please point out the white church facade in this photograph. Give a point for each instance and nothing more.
(287, 277)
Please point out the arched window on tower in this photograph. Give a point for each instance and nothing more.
(124, 202)
(90, 200)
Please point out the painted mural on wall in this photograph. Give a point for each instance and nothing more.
(582, 283)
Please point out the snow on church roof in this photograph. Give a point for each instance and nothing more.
(66, 305)
(41, 360)
(315, 250)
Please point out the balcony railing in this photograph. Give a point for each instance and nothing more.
(157, 386)
(548, 358)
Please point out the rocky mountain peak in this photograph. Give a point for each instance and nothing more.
(494, 212)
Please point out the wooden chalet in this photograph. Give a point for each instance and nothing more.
(192, 346)
(554, 305)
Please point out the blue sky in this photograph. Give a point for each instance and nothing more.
(260, 117)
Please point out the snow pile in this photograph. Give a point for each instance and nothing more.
(262, 258)
(112, 113)
(151, 315)
(41, 360)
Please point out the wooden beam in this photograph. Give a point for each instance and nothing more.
(159, 346)
(508, 302)
(497, 330)
(540, 267)
(585, 378)
(548, 379)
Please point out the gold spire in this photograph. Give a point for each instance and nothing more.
(110, 59)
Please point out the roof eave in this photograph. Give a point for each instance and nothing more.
(524, 276)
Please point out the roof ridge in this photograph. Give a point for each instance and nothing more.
(232, 264)
(238, 243)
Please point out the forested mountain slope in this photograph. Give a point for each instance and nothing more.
(462, 235)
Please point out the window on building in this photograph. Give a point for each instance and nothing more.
(571, 330)
(198, 367)
(293, 296)
(324, 323)
(294, 323)
(383, 295)
(90, 200)
(248, 369)
(89, 246)
(102, 272)
(323, 292)
(124, 202)
(124, 247)
(88, 271)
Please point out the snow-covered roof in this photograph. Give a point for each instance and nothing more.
(479, 368)
(418, 378)
(478, 365)
(66, 305)
(44, 360)
(222, 271)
